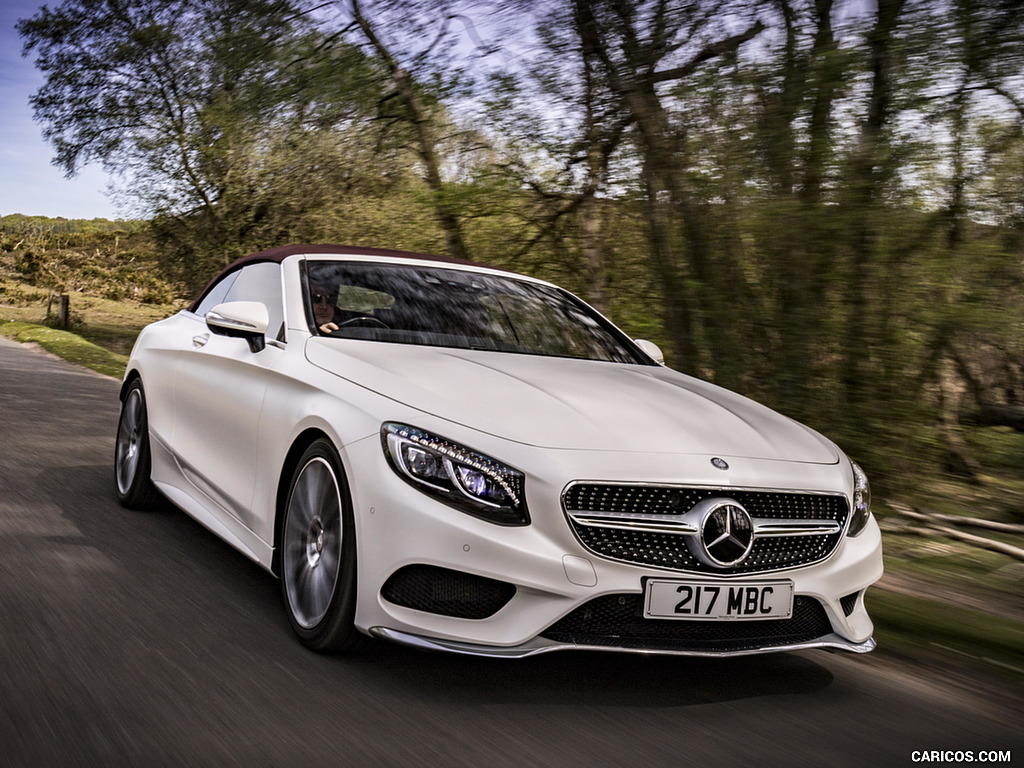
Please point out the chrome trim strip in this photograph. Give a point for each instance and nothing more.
(770, 527)
(698, 486)
(538, 645)
(673, 523)
(630, 521)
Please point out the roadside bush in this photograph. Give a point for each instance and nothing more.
(157, 293)
(29, 265)
(24, 295)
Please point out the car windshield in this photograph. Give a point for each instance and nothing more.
(455, 308)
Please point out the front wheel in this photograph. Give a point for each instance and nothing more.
(132, 458)
(318, 562)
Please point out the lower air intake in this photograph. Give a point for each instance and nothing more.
(617, 621)
(446, 592)
(849, 603)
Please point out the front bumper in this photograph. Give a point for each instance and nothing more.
(554, 575)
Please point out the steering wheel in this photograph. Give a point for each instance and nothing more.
(365, 320)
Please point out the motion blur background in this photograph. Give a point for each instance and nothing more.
(817, 203)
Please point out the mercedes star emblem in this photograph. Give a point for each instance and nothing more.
(727, 534)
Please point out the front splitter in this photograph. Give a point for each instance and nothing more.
(831, 642)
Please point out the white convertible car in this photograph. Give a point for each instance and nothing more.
(465, 459)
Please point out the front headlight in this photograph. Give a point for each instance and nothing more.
(469, 481)
(861, 500)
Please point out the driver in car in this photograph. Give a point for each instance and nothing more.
(324, 308)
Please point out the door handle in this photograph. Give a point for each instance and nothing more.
(200, 340)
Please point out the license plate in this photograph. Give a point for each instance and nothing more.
(718, 601)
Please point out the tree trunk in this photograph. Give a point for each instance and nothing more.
(426, 145)
(826, 79)
(870, 167)
(597, 167)
(951, 394)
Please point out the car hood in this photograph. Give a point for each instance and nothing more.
(572, 404)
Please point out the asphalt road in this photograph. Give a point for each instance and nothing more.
(131, 639)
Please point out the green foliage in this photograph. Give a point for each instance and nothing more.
(204, 105)
(17, 225)
(828, 219)
(118, 262)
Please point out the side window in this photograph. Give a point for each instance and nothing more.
(216, 294)
(262, 283)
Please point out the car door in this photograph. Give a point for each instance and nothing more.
(220, 386)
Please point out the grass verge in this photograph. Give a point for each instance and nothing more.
(69, 346)
(921, 629)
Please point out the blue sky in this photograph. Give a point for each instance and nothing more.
(29, 184)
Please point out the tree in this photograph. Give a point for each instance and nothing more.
(418, 106)
(641, 47)
(559, 134)
(978, 110)
(183, 98)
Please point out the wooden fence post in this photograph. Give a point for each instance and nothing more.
(63, 310)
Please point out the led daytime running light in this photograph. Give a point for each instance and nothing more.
(497, 497)
(459, 455)
(861, 500)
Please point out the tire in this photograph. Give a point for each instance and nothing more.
(318, 553)
(132, 458)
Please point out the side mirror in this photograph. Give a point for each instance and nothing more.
(652, 350)
(241, 319)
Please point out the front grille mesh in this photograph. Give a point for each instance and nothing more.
(667, 550)
(616, 621)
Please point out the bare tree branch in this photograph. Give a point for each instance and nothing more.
(709, 52)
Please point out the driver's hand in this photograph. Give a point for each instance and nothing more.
(328, 327)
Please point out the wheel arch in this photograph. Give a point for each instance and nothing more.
(130, 376)
(305, 439)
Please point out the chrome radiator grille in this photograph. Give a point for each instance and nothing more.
(649, 525)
